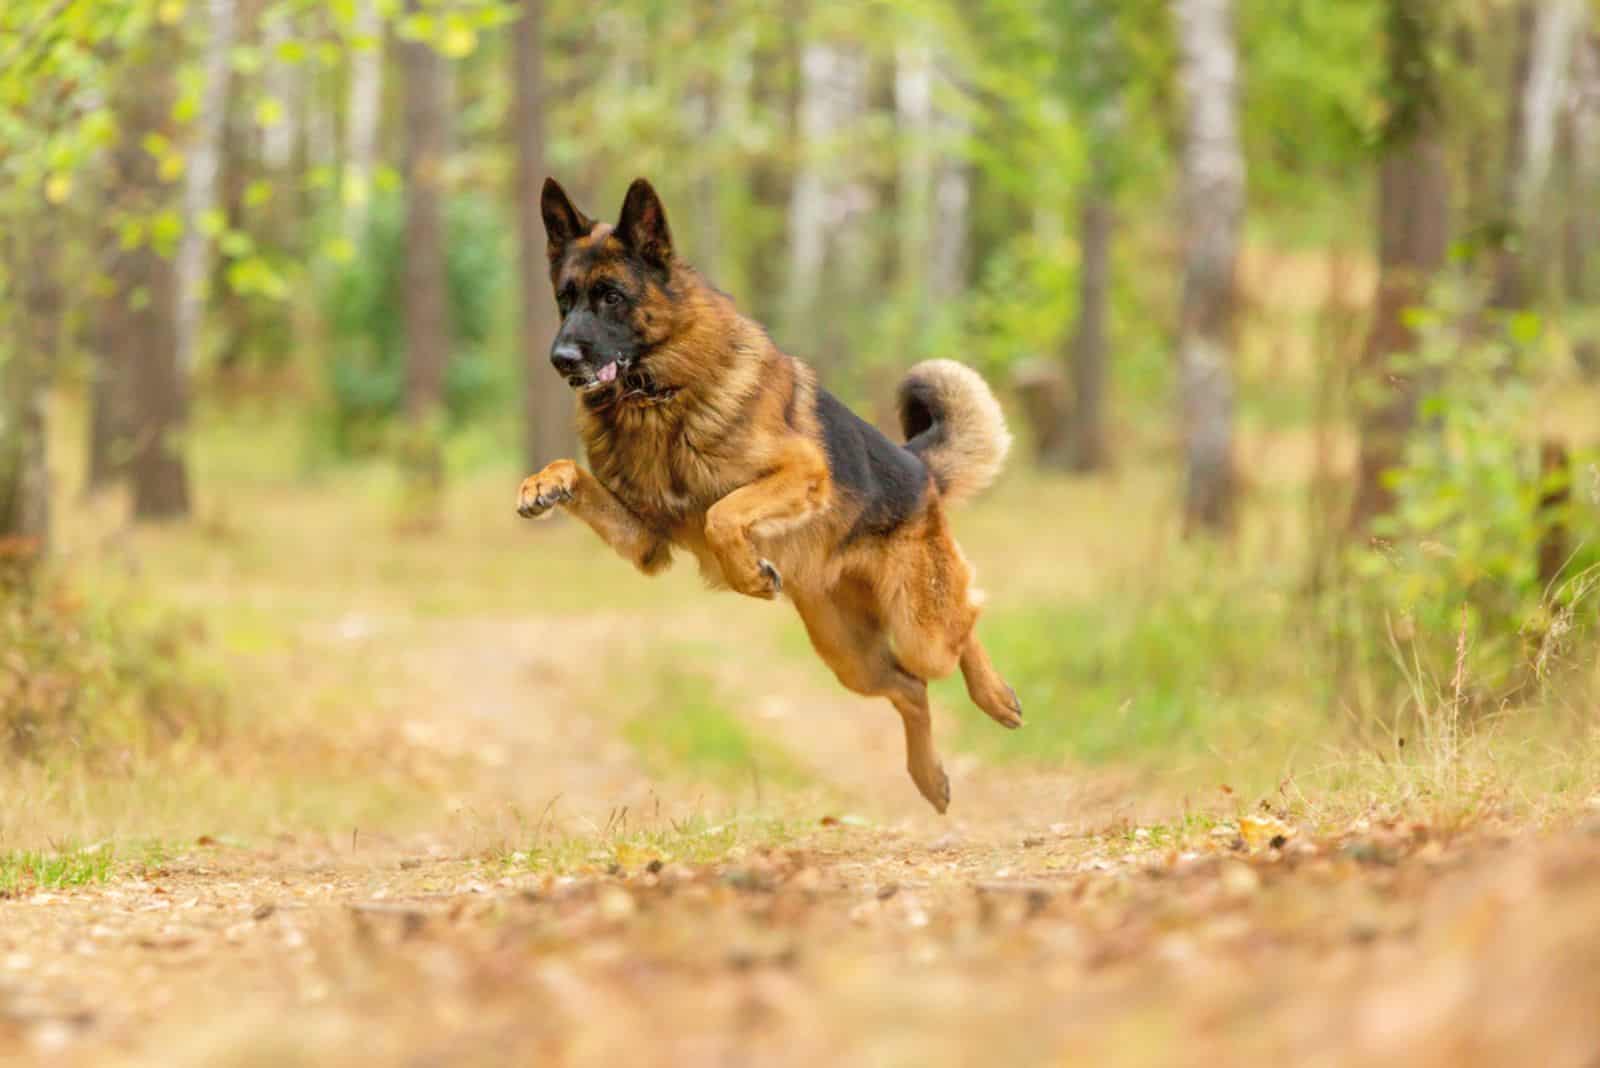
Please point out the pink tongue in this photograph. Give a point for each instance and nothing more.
(608, 373)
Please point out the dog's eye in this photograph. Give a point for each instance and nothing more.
(611, 298)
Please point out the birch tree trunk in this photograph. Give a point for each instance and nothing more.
(913, 103)
(200, 182)
(283, 85)
(363, 110)
(1583, 171)
(1213, 207)
(1413, 239)
(952, 193)
(1550, 30)
(547, 406)
(824, 199)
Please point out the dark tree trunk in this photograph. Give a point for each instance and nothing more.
(1555, 498)
(110, 420)
(426, 314)
(160, 404)
(108, 400)
(24, 387)
(1088, 450)
(1413, 239)
(1213, 198)
(547, 406)
(138, 332)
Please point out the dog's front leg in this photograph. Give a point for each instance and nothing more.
(794, 491)
(566, 484)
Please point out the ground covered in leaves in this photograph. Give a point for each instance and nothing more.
(486, 799)
(1376, 943)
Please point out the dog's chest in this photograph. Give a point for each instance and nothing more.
(661, 476)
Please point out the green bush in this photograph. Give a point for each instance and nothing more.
(365, 312)
(1143, 672)
(1458, 557)
(92, 676)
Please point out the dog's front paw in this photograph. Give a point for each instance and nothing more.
(550, 487)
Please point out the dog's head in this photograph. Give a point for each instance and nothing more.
(612, 285)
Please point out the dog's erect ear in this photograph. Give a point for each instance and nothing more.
(643, 225)
(563, 223)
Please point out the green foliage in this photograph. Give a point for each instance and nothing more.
(1312, 97)
(1146, 672)
(1461, 547)
(364, 309)
(688, 730)
(94, 675)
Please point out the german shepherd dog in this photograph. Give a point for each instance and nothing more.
(703, 436)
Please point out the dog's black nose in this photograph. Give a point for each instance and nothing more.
(567, 358)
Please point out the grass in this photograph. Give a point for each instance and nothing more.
(625, 844)
(685, 728)
(24, 871)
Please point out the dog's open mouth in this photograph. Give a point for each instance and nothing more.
(602, 378)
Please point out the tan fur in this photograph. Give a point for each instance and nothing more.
(970, 454)
(731, 468)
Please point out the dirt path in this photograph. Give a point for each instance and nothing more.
(1049, 919)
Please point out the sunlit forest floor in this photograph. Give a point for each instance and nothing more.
(484, 795)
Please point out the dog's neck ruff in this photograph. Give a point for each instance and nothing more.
(640, 387)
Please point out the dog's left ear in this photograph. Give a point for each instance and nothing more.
(643, 224)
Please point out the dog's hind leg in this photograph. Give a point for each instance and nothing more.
(932, 615)
(848, 635)
(985, 686)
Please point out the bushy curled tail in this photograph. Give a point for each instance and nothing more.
(952, 421)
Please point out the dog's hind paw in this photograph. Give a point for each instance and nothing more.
(934, 785)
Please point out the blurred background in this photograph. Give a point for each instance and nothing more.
(1295, 306)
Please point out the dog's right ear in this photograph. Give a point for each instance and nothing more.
(563, 223)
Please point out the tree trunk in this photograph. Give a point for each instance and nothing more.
(825, 200)
(913, 103)
(952, 193)
(547, 406)
(108, 400)
(283, 84)
(703, 100)
(200, 180)
(426, 314)
(1087, 451)
(364, 109)
(1582, 233)
(24, 389)
(230, 311)
(1548, 35)
(155, 462)
(1413, 239)
(1213, 200)
(775, 92)
(139, 330)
